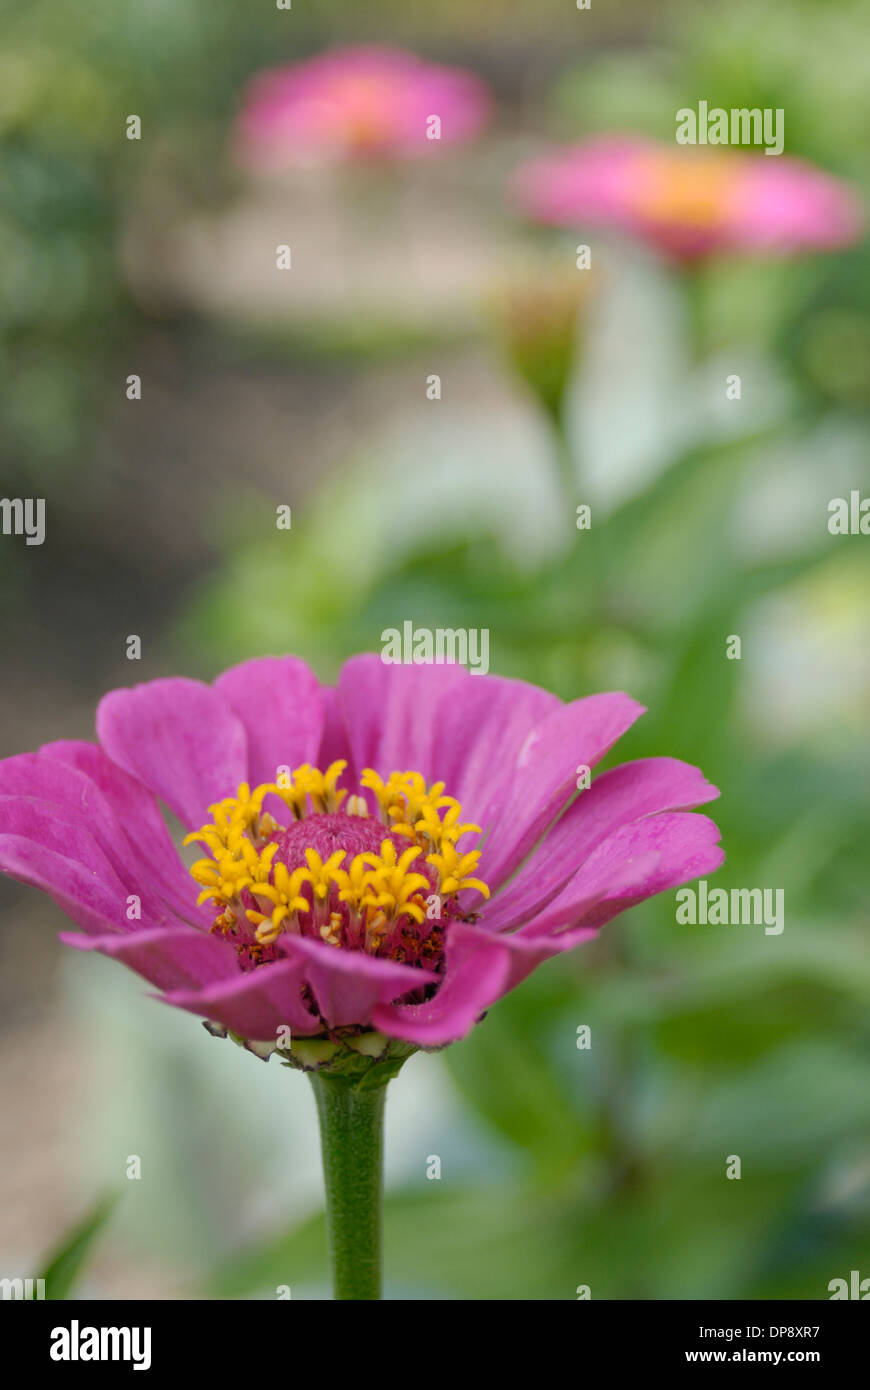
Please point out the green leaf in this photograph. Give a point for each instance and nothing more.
(65, 1262)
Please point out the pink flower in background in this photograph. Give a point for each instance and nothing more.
(356, 102)
(689, 202)
(373, 904)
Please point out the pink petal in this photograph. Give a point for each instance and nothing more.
(545, 775)
(254, 1005)
(279, 701)
(348, 985)
(635, 862)
(482, 967)
(685, 846)
(134, 824)
(477, 970)
(390, 713)
(44, 846)
(334, 743)
(167, 957)
(539, 941)
(65, 795)
(180, 739)
(480, 733)
(787, 204)
(624, 794)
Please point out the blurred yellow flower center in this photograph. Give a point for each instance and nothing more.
(693, 190)
(363, 111)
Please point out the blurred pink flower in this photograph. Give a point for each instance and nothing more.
(691, 203)
(355, 102)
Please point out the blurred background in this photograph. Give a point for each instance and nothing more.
(559, 388)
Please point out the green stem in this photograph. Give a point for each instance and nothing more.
(352, 1140)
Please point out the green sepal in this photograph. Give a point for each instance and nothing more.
(365, 1061)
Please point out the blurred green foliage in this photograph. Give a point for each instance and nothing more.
(707, 1042)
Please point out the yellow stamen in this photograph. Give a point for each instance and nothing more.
(283, 899)
(331, 930)
(454, 868)
(323, 874)
(379, 890)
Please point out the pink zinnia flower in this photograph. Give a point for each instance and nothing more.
(689, 202)
(344, 885)
(356, 102)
